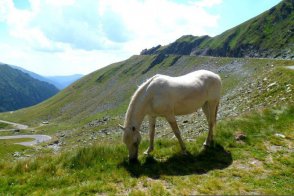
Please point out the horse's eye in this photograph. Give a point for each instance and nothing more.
(133, 128)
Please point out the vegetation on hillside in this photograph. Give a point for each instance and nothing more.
(19, 90)
(271, 35)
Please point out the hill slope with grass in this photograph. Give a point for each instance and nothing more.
(270, 35)
(261, 164)
(19, 90)
(106, 92)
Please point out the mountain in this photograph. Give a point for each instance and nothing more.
(107, 91)
(62, 82)
(33, 75)
(269, 35)
(19, 90)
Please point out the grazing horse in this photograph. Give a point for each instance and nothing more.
(168, 97)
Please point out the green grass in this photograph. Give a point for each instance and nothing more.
(3, 125)
(262, 163)
(8, 147)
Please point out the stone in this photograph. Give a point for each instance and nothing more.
(280, 135)
(240, 136)
(16, 154)
(272, 84)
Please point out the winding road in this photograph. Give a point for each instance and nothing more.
(16, 125)
(290, 67)
(37, 138)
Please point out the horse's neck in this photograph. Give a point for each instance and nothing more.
(136, 110)
(135, 114)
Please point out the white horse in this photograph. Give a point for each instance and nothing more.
(168, 96)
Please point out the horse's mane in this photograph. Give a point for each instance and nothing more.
(134, 99)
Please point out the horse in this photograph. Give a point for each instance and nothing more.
(166, 96)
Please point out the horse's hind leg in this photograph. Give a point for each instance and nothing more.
(152, 121)
(173, 123)
(210, 111)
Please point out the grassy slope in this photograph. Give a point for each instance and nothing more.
(100, 167)
(260, 32)
(262, 163)
(87, 98)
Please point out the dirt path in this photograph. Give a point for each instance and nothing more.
(16, 125)
(290, 67)
(37, 138)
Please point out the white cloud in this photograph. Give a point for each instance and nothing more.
(208, 3)
(58, 34)
(160, 22)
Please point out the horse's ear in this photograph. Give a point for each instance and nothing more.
(122, 127)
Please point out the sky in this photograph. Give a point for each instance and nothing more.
(64, 37)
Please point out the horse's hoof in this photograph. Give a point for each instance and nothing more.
(206, 144)
(134, 161)
(147, 152)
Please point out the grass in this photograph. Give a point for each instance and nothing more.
(259, 164)
(262, 163)
(8, 147)
(3, 125)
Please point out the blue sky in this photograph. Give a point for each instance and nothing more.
(53, 37)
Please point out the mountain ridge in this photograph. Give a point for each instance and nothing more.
(268, 35)
(60, 82)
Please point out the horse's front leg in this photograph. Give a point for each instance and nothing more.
(152, 121)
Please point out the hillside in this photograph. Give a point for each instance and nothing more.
(19, 90)
(269, 35)
(87, 155)
(107, 91)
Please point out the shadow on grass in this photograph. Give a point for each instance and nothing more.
(208, 159)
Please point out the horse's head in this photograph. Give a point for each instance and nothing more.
(132, 139)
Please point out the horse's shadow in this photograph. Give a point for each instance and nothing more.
(208, 159)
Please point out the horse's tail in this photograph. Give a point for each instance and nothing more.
(216, 110)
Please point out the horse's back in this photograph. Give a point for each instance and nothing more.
(197, 81)
(184, 93)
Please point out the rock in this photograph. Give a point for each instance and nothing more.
(16, 154)
(280, 135)
(240, 136)
(272, 84)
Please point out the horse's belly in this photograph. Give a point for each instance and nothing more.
(187, 107)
